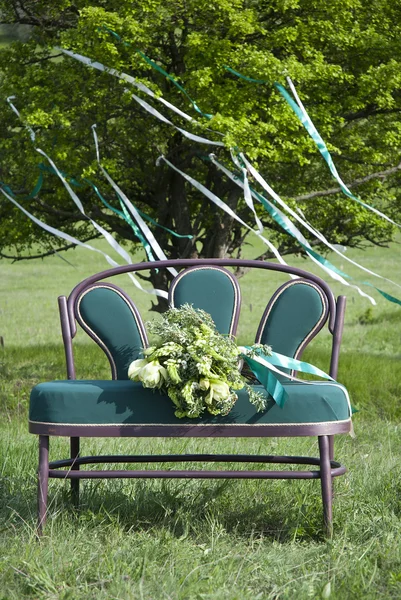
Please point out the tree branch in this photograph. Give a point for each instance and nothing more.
(378, 175)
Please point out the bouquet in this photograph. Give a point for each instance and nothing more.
(195, 365)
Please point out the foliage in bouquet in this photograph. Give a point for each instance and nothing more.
(194, 364)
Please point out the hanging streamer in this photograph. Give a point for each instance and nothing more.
(340, 250)
(175, 82)
(141, 223)
(290, 228)
(216, 200)
(109, 238)
(73, 240)
(190, 136)
(265, 185)
(125, 77)
(113, 243)
(14, 109)
(126, 217)
(306, 121)
(247, 191)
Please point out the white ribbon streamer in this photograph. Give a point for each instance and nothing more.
(73, 240)
(294, 230)
(332, 166)
(128, 78)
(247, 190)
(109, 238)
(339, 249)
(141, 223)
(13, 108)
(216, 200)
(190, 136)
(297, 234)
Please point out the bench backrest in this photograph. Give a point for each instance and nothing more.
(294, 315)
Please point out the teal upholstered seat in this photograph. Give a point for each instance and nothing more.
(128, 403)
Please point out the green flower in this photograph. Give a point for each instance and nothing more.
(218, 391)
(172, 370)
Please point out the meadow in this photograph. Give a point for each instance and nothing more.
(202, 539)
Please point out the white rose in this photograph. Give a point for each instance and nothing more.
(135, 367)
(153, 374)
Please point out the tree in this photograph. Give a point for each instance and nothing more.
(343, 56)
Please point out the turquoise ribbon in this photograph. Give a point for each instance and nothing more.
(156, 224)
(271, 383)
(160, 69)
(31, 195)
(250, 79)
(126, 216)
(316, 137)
(268, 380)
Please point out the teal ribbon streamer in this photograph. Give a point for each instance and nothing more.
(126, 218)
(175, 82)
(156, 224)
(160, 69)
(245, 77)
(286, 362)
(317, 256)
(316, 137)
(31, 195)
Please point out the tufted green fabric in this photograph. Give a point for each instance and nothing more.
(297, 310)
(109, 316)
(119, 402)
(210, 289)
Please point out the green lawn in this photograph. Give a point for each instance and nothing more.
(202, 540)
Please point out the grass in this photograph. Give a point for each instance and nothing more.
(201, 539)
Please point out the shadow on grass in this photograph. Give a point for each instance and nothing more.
(278, 511)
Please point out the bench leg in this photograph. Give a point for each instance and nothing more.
(74, 453)
(43, 481)
(326, 483)
(331, 446)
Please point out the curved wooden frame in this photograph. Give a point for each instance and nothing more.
(70, 468)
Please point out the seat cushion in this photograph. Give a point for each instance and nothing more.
(95, 402)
